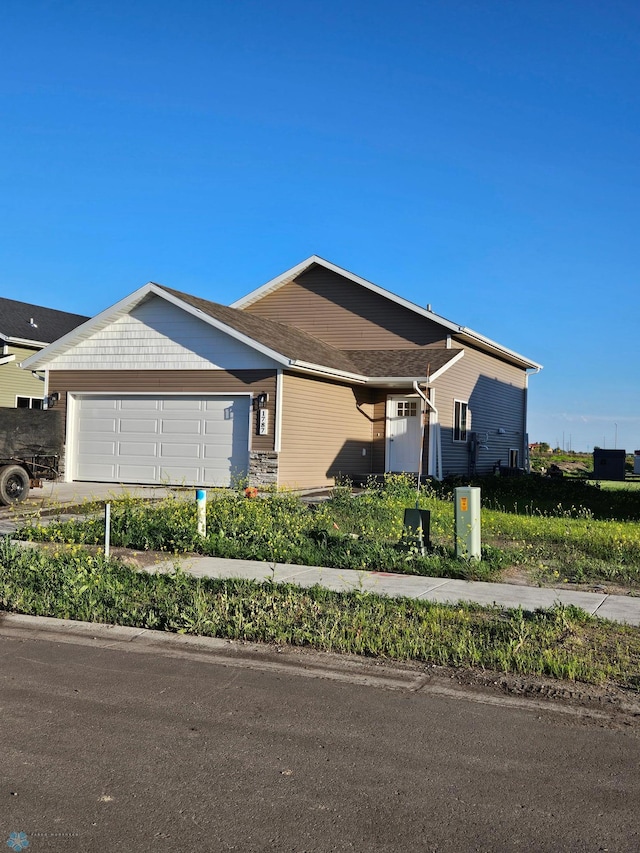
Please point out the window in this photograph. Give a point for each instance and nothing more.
(460, 420)
(513, 457)
(29, 403)
(407, 408)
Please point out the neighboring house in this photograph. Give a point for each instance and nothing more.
(317, 374)
(24, 330)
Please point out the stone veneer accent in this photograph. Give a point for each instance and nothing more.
(263, 468)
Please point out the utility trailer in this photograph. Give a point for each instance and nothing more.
(30, 450)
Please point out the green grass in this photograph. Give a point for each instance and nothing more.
(563, 642)
(619, 485)
(558, 531)
(350, 533)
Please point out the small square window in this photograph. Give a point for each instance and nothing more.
(407, 408)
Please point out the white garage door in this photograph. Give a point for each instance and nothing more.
(180, 440)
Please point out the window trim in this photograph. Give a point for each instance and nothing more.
(460, 433)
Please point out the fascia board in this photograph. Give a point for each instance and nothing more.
(395, 380)
(275, 283)
(309, 367)
(437, 373)
(5, 359)
(476, 337)
(27, 342)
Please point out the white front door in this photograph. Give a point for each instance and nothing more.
(403, 433)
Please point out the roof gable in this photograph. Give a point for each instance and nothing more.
(459, 333)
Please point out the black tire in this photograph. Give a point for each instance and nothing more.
(14, 484)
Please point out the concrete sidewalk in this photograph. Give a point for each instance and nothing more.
(54, 497)
(618, 608)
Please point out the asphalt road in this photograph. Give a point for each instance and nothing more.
(211, 746)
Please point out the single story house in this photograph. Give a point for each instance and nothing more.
(24, 330)
(315, 375)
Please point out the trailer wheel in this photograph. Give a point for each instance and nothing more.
(14, 484)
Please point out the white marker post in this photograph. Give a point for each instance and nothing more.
(107, 530)
(201, 501)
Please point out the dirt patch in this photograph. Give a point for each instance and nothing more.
(603, 706)
(607, 706)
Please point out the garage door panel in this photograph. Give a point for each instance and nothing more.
(180, 426)
(179, 451)
(214, 449)
(179, 475)
(191, 440)
(221, 426)
(130, 426)
(137, 448)
(138, 404)
(93, 426)
(179, 404)
(104, 404)
(218, 477)
(134, 473)
(101, 472)
(102, 448)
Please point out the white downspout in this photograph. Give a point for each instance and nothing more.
(438, 466)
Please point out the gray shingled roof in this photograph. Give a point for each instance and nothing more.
(50, 324)
(295, 344)
(401, 362)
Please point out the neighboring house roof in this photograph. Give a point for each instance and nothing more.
(462, 333)
(23, 323)
(292, 347)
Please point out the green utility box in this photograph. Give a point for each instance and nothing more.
(467, 521)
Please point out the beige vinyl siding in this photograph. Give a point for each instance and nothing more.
(157, 335)
(325, 427)
(17, 382)
(161, 382)
(346, 315)
(496, 394)
(379, 431)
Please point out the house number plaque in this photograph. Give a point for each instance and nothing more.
(263, 421)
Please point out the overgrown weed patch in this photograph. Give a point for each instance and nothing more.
(563, 642)
(559, 532)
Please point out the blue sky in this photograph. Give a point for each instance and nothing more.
(479, 156)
